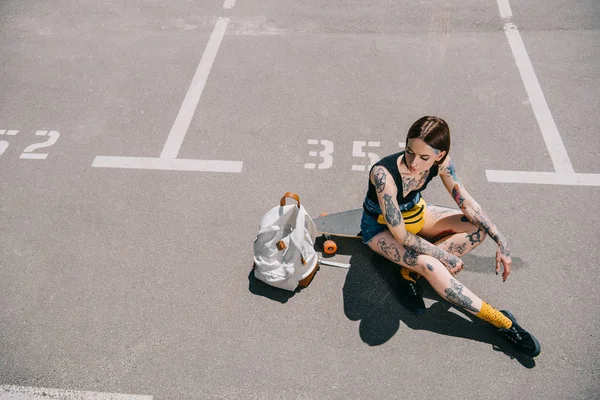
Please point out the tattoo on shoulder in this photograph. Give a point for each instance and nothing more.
(452, 171)
(392, 214)
(379, 177)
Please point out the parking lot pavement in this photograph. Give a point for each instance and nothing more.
(141, 142)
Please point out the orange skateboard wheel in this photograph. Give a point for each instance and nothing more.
(329, 247)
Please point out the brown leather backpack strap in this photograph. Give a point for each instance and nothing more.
(291, 196)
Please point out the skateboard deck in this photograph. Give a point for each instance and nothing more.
(343, 224)
(334, 228)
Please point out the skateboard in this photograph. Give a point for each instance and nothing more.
(335, 230)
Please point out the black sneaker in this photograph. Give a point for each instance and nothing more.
(519, 338)
(410, 294)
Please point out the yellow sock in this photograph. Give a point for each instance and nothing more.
(493, 316)
(409, 275)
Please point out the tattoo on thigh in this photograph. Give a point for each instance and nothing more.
(392, 214)
(430, 267)
(475, 237)
(454, 248)
(464, 219)
(390, 251)
(455, 295)
(437, 211)
(379, 178)
(410, 257)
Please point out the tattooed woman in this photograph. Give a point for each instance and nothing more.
(427, 240)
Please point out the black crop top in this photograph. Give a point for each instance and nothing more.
(391, 164)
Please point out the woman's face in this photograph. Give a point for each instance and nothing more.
(420, 156)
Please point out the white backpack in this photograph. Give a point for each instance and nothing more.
(284, 253)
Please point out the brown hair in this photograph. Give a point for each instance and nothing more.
(434, 132)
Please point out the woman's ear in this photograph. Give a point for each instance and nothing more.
(440, 156)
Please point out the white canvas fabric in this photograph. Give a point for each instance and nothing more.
(284, 251)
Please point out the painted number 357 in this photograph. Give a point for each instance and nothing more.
(30, 151)
(361, 151)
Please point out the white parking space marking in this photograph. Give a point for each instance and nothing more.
(565, 174)
(186, 112)
(543, 178)
(554, 143)
(170, 164)
(167, 159)
(8, 392)
(228, 4)
(505, 10)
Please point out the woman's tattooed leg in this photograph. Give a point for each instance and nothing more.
(451, 230)
(440, 279)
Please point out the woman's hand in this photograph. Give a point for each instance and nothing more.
(453, 263)
(503, 257)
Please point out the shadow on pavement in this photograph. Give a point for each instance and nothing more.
(370, 296)
(259, 288)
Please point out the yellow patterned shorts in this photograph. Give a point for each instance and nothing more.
(414, 219)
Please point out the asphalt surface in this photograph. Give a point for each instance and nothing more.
(137, 281)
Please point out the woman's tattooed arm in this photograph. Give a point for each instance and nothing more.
(379, 178)
(468, 205)
(422, 246)
(393, 216)
(387, 192)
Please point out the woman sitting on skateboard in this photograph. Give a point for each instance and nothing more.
(398, 224)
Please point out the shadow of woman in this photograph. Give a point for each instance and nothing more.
(370, 296)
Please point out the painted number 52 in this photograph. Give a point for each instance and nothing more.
(29, 150)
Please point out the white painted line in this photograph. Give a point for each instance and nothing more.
(374, 144)
(310, 165)
(228, 4)
(2, 131)
(334, 264)
(9, 392)
(505, 10)
(190, 102)
(168, 164)
(358, 168)
(544, 178)
(554, 143)
(11, 132)
(34, 156)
